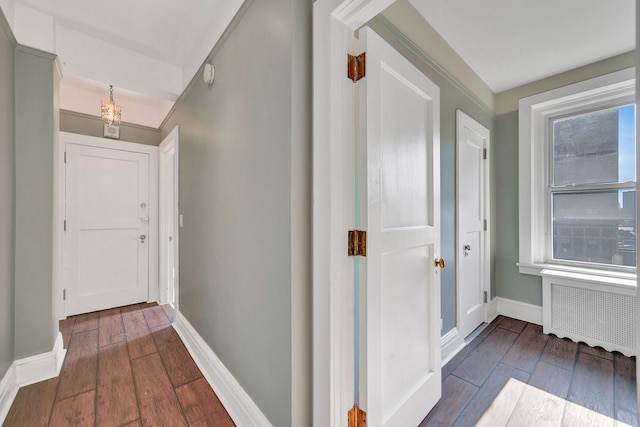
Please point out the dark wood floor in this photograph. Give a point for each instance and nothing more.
(124, 367)
(128, 367)
(591, 377)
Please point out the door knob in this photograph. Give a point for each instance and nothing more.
(440, 262)
(467, 247)
(142, 237)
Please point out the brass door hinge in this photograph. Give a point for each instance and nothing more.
(356, 66)
(357, 417)
(357, 243)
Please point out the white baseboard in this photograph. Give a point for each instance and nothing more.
(519, 310)
(492, 310)
(8, 390)
(243, 411)
(40, 367)
(30, 370)
(452, 343)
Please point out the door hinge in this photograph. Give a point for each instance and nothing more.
(484, 154)
(64, 225)
(356, 66)
(64, 295)
(484, 225)
(486, 298)
(356, 417)
(357, 245)
(65, 157)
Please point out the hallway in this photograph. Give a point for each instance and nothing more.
(124, 367)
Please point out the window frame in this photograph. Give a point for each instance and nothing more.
(536, 114)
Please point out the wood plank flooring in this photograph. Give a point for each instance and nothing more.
(124, 367)
(566, 379)
(128, 367)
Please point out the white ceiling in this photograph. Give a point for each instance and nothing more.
(150, 50)
(509, 43)
(149, 47)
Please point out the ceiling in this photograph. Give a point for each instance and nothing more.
(509, 43)
(150, 50)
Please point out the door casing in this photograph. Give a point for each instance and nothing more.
(334, 25)
(169, 179)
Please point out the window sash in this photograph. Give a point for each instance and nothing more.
(551, 191)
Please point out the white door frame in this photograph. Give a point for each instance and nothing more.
(334, 23)
(462, 119)
(59, 208)
(169, 143)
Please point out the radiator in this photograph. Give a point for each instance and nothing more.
(595, 310)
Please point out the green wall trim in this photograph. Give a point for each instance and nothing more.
(96, 118)
(36, 52)
(86, 124)
(384, 22)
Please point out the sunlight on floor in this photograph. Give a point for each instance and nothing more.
(522, 405)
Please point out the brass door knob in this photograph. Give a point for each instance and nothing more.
(440, 262)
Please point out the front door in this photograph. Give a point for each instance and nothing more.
(400, 182)
(472, 139)
(108, 211)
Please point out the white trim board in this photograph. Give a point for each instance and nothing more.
(242, 410)
(492, 310)
(452, 344)
(8, 391)
(30, 370)
(519, 310)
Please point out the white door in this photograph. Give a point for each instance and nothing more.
(168, 218)
(108, 209)
(472, 172)
(400, 140)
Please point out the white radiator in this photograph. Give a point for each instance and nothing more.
(596, 310)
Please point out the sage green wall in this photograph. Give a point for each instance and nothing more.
(245, 168)
(510, 283)
(453, 96)
(7, 198)
(84, 124)
(36, 129)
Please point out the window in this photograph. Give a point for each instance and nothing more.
(592, 189)
(577, 178)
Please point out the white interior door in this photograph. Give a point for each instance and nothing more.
(400, 138)
(108, 211)
(169, 218)
(472, 140)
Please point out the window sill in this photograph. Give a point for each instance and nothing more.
(590, 275)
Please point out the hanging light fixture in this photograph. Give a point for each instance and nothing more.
(110, 110)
